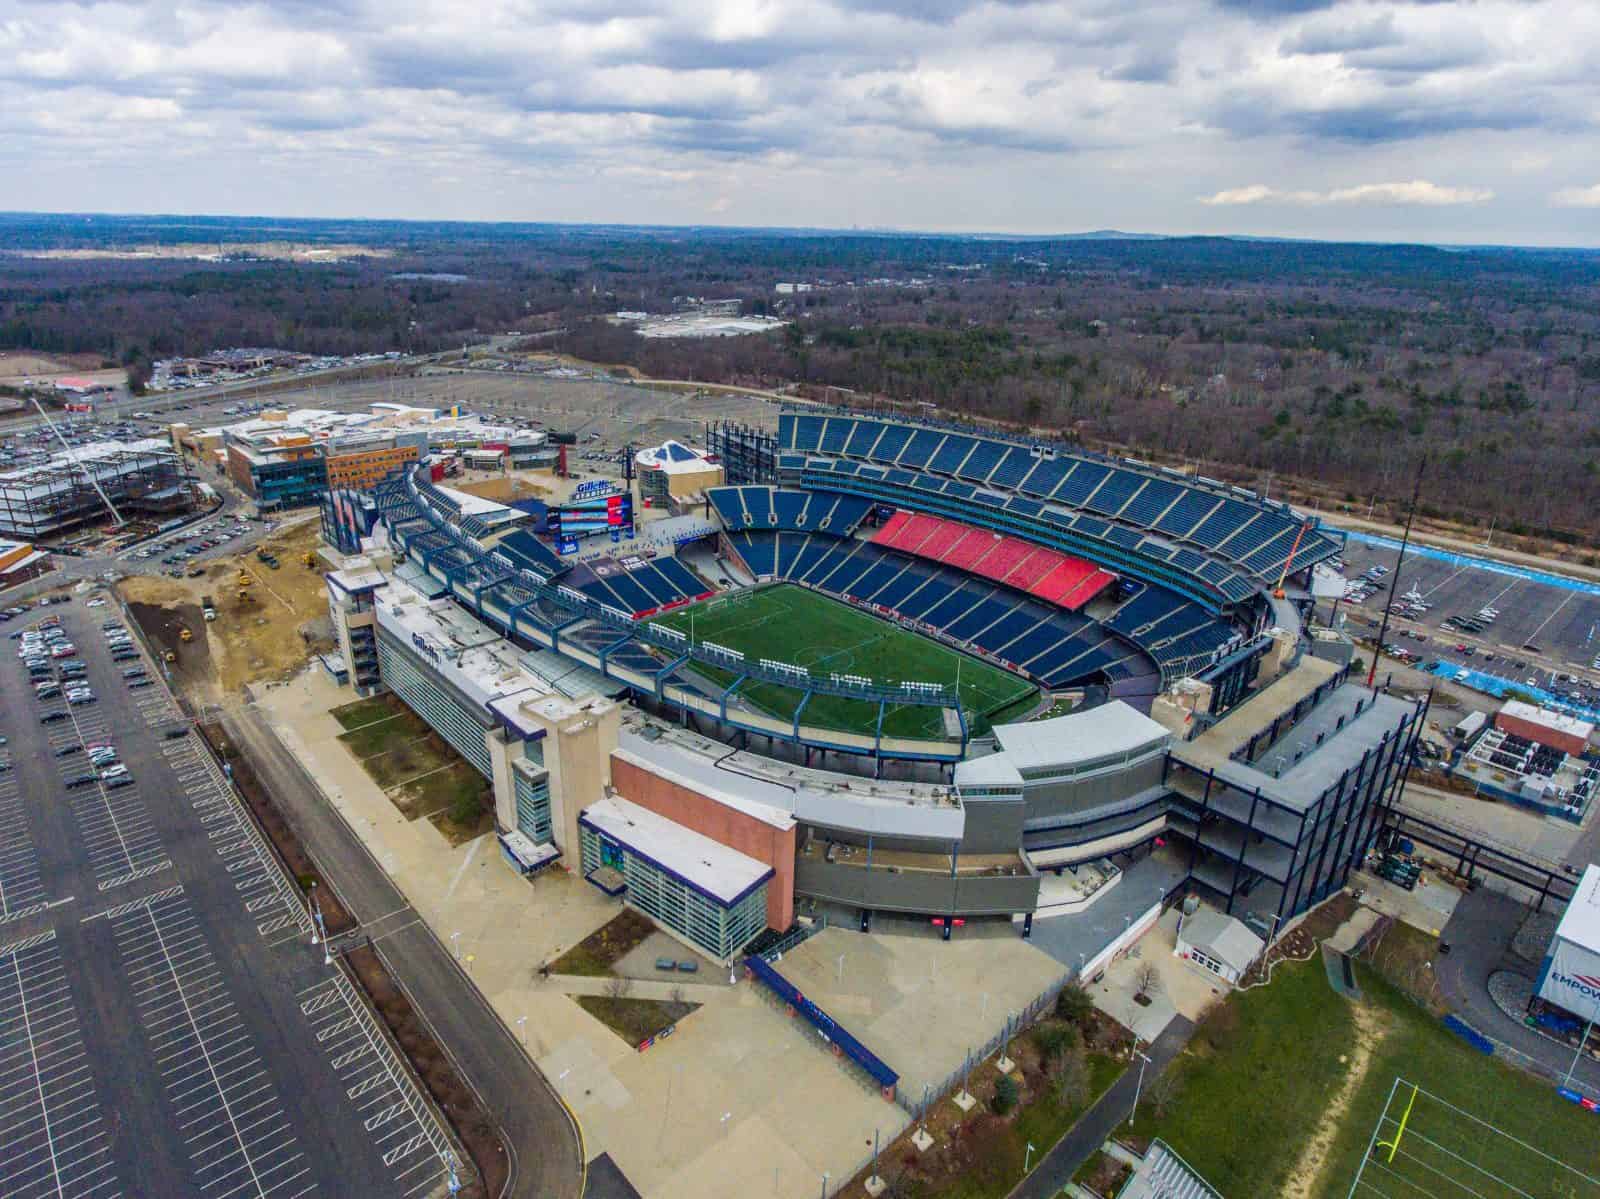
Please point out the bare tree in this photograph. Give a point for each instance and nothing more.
(617, 987)
(1164, 1091)
(1073, 1080)
(1146, 980)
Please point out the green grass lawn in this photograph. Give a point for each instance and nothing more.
(790, 624)
(1255, 1092)
(365, 711)
(634, 1019)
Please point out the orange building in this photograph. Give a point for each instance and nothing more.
(363, 469)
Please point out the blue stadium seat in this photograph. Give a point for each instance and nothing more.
(757, 549)
(981, 462)
(807, 432)
(890, 443)
(1180, 520)
(951, 453)
(1151, 500)
(861, 438)
(835, 433)
(1044, 478)
(920, 448)
(1115, 491)
(1081, 483)
(1013, 468)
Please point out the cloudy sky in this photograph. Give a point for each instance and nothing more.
(1449, 120)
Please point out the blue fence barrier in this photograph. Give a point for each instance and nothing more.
(1470, 1035)
(876, 1068)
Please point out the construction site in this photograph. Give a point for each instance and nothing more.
(251, 617)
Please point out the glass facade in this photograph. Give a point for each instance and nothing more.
(719, 930)
(431, 699)
(533, 806)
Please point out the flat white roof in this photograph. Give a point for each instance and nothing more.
(1580, 923)
(708, 866)
(1103, 732)
(888, 807)
(467, 652)
(476, 505)
(778, 817)
(996, 770)
(1558, 722)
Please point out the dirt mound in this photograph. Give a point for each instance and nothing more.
(163, 627)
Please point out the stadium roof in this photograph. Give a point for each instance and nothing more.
(1107, 731)
(674, 457)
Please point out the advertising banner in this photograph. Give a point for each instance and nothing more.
(1572, 980)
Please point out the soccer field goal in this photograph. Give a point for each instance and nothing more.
(1423, 1145)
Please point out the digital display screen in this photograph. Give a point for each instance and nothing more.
(585, 518)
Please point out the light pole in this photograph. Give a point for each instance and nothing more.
(455, 945)
(1027, 1158)
(1583, 1041)
(841, 970)
(1138, 1086)
(824, 1184)
(522, 1030)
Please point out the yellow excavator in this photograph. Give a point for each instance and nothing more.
(245, 581)
(184, 634)
(309, 559)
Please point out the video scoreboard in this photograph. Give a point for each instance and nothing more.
(589, 517)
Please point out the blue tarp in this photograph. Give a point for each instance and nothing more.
(1495, 685)
(853, 1049)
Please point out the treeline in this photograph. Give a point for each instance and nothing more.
(1341, 365)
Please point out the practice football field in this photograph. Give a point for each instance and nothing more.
(790, 624)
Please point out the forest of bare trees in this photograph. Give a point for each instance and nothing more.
(1338, 366)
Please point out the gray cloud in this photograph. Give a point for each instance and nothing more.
(927, 112)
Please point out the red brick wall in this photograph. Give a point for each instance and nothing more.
(752, 837)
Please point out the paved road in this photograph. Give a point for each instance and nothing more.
(155, 971)
(1479, 935)
(540, 1136)
(1100, 1121)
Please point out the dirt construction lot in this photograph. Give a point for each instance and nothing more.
(266, 636)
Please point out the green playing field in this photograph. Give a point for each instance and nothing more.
(790, 624)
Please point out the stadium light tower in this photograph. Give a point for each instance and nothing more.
(1399, 564)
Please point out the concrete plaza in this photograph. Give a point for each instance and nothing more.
(793, 1112)
(918, 1002)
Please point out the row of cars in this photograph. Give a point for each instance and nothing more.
(53, 667)
(193, 542)
(104, 765)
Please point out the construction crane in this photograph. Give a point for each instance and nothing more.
(1277, 592)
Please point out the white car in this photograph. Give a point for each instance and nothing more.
(112, 772)
(95, 603)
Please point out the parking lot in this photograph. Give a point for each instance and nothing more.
(155, 962)
(1541, 626)
(53, 1131)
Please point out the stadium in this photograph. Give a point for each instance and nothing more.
(892, 667)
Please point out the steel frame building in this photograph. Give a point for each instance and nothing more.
(52, 497)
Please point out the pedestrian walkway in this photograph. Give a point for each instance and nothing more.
(1055, 1169)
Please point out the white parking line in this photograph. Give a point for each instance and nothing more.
(52, 1142)
(238, 1135)
(402, 1124)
